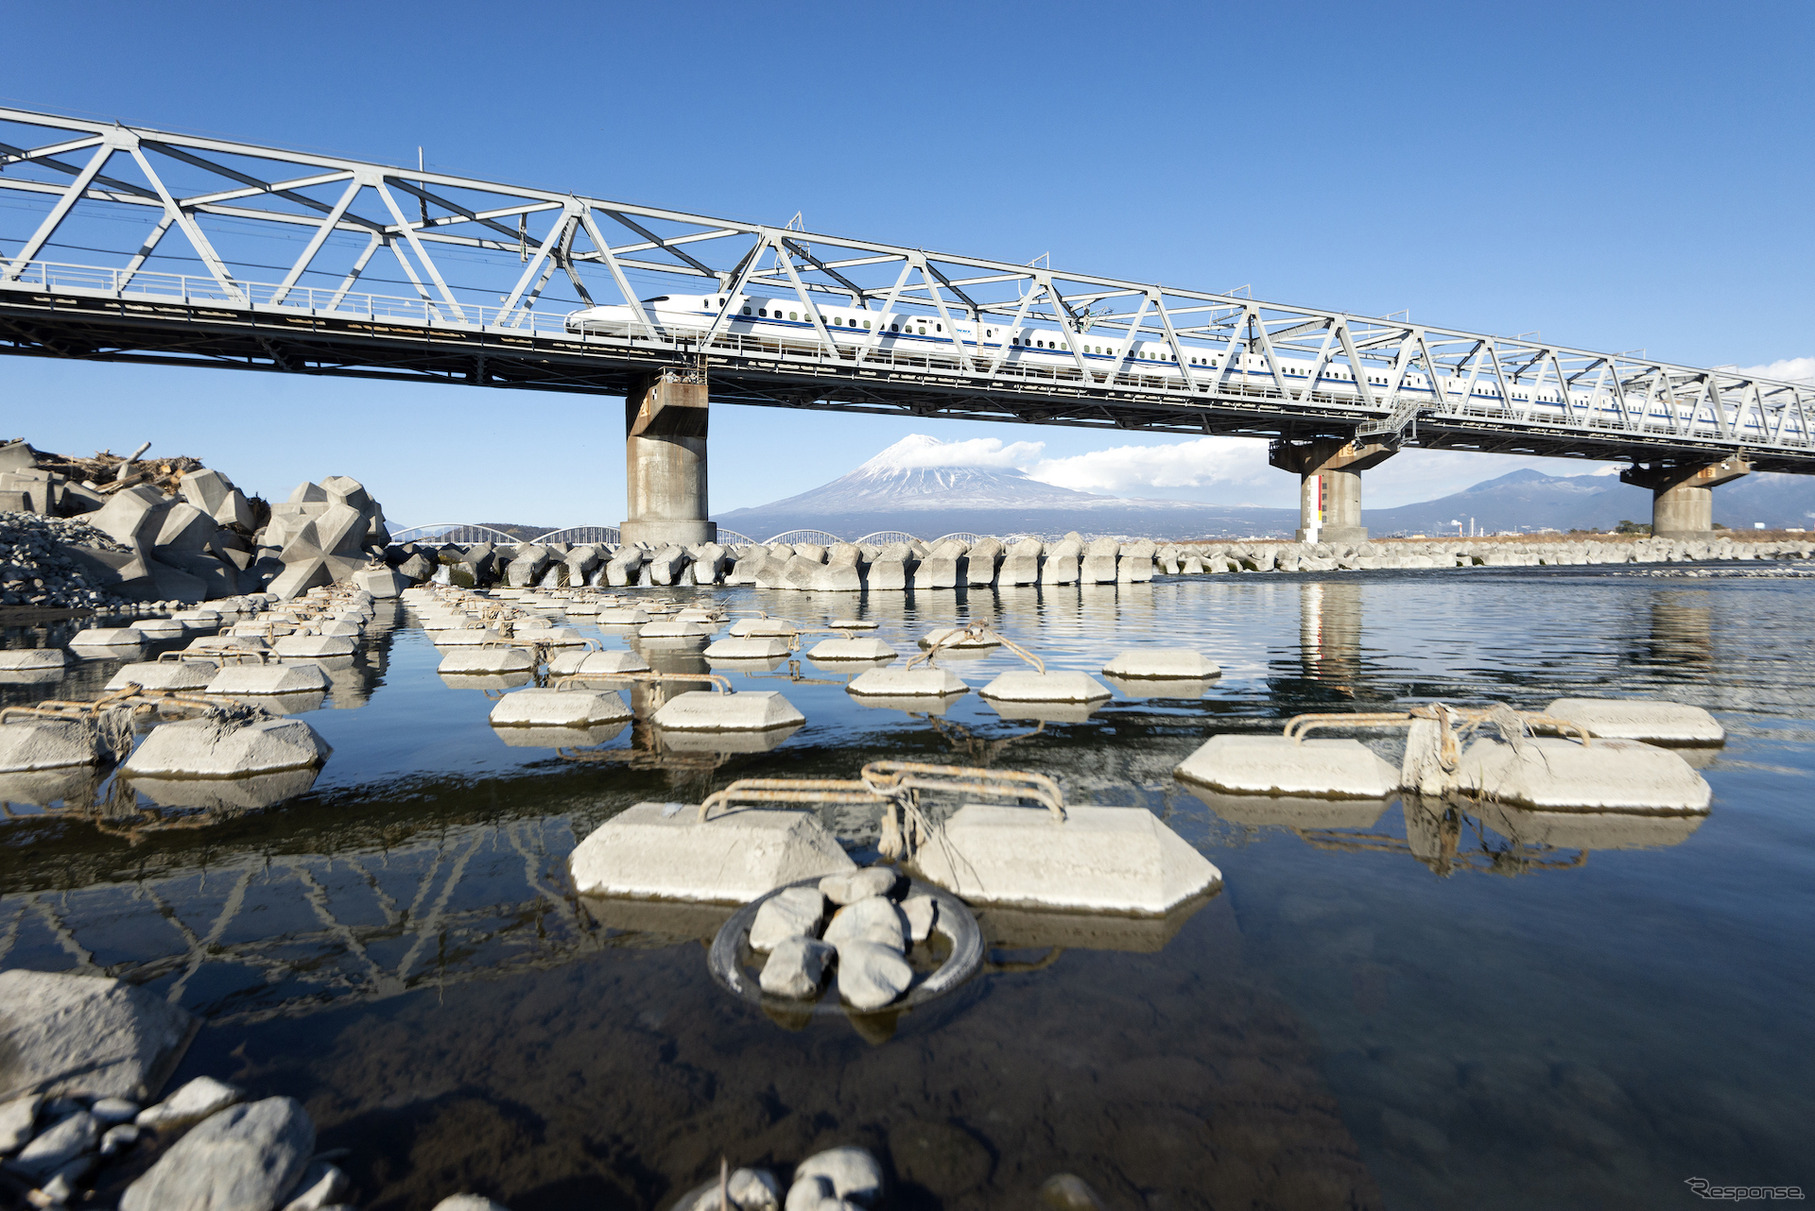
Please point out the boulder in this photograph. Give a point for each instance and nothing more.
(796, 967)
(246, 1156)
(63, 1033)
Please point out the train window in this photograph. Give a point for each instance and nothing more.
(923, 330)
(793, 316)
(746, 311)
(938, 328)
(866, 325)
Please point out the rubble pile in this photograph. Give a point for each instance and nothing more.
(172, 530)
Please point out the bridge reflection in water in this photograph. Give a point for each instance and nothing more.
(261, 934)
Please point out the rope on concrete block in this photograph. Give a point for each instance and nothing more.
(976, 631)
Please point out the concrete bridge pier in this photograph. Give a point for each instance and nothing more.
(665, 462)
(1329, 490)
(1682, 496)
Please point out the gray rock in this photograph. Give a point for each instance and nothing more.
(119, 1138)
(795, 912)
(468, 1202)
(320, 1186)
(16, 1119)
(68, 1032)
(920, 912)
(1068, 1192)
(50, 1151)
(796, 968)
(808, 1193)
(115, 1110)
(246, 1156)
(852, 1172)
(858, 884)
(195, 1100)
(871, 976)
(876, 921)
(754, 1190)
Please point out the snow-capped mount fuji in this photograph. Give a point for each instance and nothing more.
(919, 485)
(909, 476)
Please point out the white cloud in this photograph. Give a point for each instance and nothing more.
(919, 450)
(1201, 462)
(1795, 369)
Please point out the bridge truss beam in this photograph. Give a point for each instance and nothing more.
(129, 244)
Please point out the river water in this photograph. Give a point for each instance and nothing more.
(1383, 1006)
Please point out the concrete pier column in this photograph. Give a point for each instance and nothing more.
(665, 463)
(1329, 490)
(1682, 496)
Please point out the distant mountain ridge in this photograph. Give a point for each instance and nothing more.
(902, 488)
(906, 488)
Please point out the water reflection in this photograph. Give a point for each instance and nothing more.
(1449, 836)
(263, 932)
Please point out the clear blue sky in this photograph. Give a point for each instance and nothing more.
(1613, 175)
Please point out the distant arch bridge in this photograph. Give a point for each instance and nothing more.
(468, 533)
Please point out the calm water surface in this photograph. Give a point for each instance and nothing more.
(1384, 1007)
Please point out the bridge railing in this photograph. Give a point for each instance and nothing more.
(1665, 416)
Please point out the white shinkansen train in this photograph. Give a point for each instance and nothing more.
(682, 315)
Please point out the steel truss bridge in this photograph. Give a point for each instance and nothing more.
(129, 244)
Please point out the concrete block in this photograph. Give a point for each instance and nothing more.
(1180, 663)
(1606, 774)
(33, 660)
(954, 639)
(706, 711)
(664, 851)
(564, 664)
(554, 637)
(1061, 565)
(747, 648)
(131, 516)
(205, 489)
(866, 649)
(982, 561)
(107, 641)
(383, 583)
(761, 628)
(837, 578)
(313, 645)
(887, 576)
(1025, 685)
(665, 566)
(301, 576)
(673, 628)
(568, 708)
(486, 661)
(1274, 765)
(35, 744)
(907, 683)
(204, 748)
(251, 680)
(1021, 566)
(1099, 859)
(235, 510)
(1099, 561)
(1628, 719)
(163, 675)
